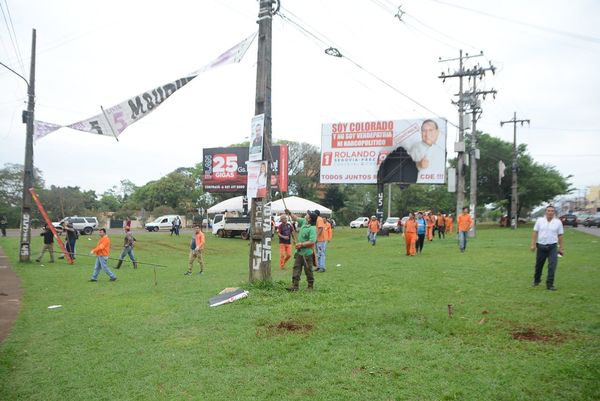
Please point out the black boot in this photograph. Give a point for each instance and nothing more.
(135, 265)
(119, 264)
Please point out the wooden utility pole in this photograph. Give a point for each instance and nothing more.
(260, 213)
(25, 238)
(514, 196)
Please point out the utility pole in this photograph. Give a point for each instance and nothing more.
(514, 200)
(260, 212)
(474, 152)
(462, 101)
(25, 237)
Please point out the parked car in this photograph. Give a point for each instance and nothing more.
(582, 217)
(85, 225)
(568, 220)
(231, 226)
(162, 223)
(592, 221)
(391, 224)
(360, 222)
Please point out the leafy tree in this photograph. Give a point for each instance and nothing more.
(61, 202)
(11, 191)
(537, 183)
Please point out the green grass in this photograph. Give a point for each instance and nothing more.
(376, 328)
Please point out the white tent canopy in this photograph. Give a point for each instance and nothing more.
(297, 205)
(294, 203)
(231, 205)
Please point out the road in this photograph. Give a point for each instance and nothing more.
(589, 230)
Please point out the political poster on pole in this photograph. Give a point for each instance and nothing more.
(352, 152)
(257, 179)
(256, 138)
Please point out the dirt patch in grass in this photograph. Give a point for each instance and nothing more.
(286, 326)
(531, 334)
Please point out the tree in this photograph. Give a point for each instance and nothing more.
(61, 202)
(11, 191)
(537, 183)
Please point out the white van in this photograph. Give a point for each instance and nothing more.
(162, 223)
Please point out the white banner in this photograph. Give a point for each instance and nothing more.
(115, 119)
(351, 152)
(41, 129)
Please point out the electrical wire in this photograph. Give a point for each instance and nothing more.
(572, 35)
(13, 36)
(323, 42)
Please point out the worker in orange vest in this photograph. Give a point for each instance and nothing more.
(464, 223)
(373, 230)
(449, 224)
(410, 235)
(430, 224)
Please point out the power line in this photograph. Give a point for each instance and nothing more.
(333, 51)
(578, 36)
(13, 36)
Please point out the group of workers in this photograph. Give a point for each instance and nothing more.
(423, 225)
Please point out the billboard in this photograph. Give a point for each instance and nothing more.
(226, 169)
(351, 152)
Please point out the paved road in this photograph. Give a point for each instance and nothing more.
(589, 230)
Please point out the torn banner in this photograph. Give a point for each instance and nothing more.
(113, 120)
(228, 297)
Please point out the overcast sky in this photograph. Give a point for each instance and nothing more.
(92, 53)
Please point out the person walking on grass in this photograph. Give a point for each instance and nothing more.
(464, 223)
(321, 245)
(421, 230)
(48, 244)
(449, 223)
(547, 232)
(430, 224)
(440, 223)
(71, 237)
(410, 235)
(3, 225)
(196, 251)
(128, 243)
(284, 233)
(101, 251)
(373, 230)
(307, 236)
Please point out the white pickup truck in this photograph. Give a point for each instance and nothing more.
(231, 226)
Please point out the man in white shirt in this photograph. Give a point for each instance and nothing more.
(547, 232)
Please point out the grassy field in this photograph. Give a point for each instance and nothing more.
(376, 328)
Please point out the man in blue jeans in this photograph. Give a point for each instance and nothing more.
(547, 232)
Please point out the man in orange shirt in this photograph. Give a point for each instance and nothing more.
(101, 251)
(449, 224)
(464, 223)
(321, 244)
(410, 235)
(440, 225)
(196, 250)
(430, 224)
(373, 230)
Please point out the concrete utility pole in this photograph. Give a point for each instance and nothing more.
(25, 238)
(514, 200)
(474, 152)
(260, 212)
(462, 101)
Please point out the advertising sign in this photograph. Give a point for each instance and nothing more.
(256, 138)
(257, 179)
(351, 152)
(226, 169)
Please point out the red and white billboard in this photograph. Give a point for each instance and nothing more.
(351, 152)
(226, 169)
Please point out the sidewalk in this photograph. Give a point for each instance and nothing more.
(10, 296)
